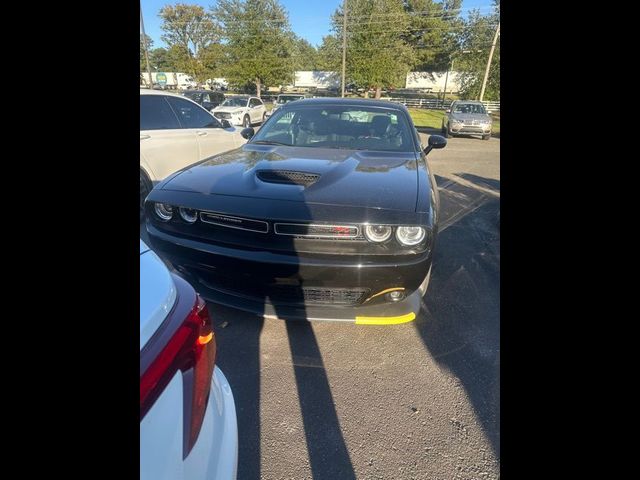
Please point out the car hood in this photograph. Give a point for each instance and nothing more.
(386, 180)
(470, 116)
(228, 109)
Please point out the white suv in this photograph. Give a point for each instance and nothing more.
(188, 425)
(176, 132)
(241, 110)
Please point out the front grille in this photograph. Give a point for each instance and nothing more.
(317, 230)
(334, 296)
(224, 115)
(471, 122)
(287, 177)
(284, 294)
(238, 223)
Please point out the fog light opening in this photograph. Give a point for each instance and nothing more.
(395, 296)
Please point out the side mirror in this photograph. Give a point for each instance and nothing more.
(250, 132)
(225, 123)
(435, 141)
(448, 110)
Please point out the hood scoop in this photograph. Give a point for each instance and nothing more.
(287, 177)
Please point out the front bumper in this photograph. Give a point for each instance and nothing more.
(232, 119)
(470, 129)
(253, 281)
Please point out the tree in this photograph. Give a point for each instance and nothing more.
(258, 47)
(378, 54)
(305, 55)
(476, 39)
(433, 33)
(212, 59)
(143, 61)
(329, 56)
(159, 60)
(188, 29)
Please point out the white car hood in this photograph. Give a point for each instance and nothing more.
(229, 109)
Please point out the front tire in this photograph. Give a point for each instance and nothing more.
(447, 132)
(264, 118)
(486, 137)
(145, 188)
(246, 122)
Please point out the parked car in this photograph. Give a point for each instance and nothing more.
(467, 118)
(318, 216)
(206, 98)
(285, 98)
(241, 110)
(188, 425)
(176, 132)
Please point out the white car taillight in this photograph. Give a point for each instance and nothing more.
(184, 344)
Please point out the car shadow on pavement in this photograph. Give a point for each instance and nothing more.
(490, 183)
(460, 320)
(239, 352)
(327, 449)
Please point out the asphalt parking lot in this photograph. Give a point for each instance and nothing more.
(412, 401)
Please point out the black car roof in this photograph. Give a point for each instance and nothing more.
(346, 101)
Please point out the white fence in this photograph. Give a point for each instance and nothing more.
(437, 104)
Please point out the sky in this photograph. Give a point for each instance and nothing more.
(310, 20)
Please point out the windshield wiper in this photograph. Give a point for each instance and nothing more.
(270, 142)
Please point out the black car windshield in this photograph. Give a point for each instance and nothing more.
(357, 127)
(469, 108)
(287, 98)
(235, 102)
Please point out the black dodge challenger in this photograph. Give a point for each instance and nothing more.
(328, 212)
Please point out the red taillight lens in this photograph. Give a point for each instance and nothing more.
(204, 357)
(191, 349)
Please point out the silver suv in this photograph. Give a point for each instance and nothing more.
(467, 118)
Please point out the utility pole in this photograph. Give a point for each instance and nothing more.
(344, 43)
(144, 44)
(486, 72)
(446, 79)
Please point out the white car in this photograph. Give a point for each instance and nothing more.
(188, 426)
(176, 132)
(241, 110)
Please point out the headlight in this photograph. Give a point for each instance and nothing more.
(163, 211)
(377, 233)
(189, 215)
(409, 236)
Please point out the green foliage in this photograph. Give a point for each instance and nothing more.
(189, 31)
(434, 28)
(329, 56)
(378, 55)
(250, 42)
(304, 55)
(259, 42)
(478, 35)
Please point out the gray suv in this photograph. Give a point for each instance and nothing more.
(467, 118)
